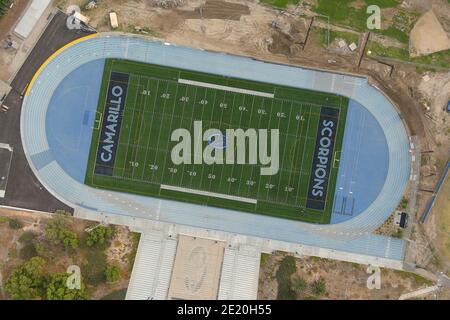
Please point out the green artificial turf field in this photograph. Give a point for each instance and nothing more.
(158, 100)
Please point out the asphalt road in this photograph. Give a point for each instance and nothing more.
(24, 189)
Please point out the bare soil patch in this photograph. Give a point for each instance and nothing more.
(343, 280)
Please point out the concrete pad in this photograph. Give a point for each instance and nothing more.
(197, 268)
(30, 18)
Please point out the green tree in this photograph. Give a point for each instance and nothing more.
(58, 232)
(57, 289)
(27, 281)
(318, 288)
(112, 273)
(99, 236)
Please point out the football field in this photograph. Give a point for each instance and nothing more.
(217, 141)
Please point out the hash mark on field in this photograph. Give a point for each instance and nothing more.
(170, 128)
(232, 168)
(284, 152)
(131, 124)
(150, 129)
(260, 179)
(201, 138)
(303, 152)
(160, 128)
(139, 132)
(212, 112)
(192, 114)
(295, 149)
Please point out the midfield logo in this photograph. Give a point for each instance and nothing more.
(228, 148)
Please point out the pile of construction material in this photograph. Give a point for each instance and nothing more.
(167, 3)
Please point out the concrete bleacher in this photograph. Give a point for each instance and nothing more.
(353, 235)
(154, 261)
(239, 277)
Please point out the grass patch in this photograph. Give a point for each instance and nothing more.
(116, 295)
(404, 203)
(95, 266)
(347, 36)
(438, 59)
(383, 3)
(264, 258)
(132, 255)
(286, 269)
(402, 24)
(398, 234)
(341, 12)
(396, 34)
(280, 3)
(28, 251)
(287, 198)
(417, 278)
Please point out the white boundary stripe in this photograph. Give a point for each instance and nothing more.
(226, 88)
(209, 194)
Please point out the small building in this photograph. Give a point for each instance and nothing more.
(113, 20)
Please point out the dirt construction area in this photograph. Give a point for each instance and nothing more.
(338, 281)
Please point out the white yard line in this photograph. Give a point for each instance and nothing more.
(225, 88)
(303, 154)
(209, 194)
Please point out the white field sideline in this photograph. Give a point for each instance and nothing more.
(225, 88)
(209, 194)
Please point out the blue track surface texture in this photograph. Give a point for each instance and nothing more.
(363, 164)
(71, 116)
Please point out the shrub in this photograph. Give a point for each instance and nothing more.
(99, 236)
(28, 252)
(57, 289)
(318, 288)
(299, 285)
(112, 273)
(26, 282)
(15, 224)
(58, 232)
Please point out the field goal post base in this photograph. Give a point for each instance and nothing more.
(98, 120)
(336, 159)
